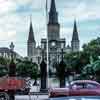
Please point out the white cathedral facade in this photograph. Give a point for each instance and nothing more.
(55, 43)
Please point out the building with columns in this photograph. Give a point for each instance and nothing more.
(7, 52)
(55, 42)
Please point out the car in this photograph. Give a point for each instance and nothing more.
(77, 98)
(84, 88)
(58, 92)
(77, 88)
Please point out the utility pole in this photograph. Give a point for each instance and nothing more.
(47, 43)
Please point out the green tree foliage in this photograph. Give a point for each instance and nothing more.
(27, 69)
(60, 73)
(3, 61)
(77, 61)
(3, 70)
(3, 66)
(91, 71)
(92, 48)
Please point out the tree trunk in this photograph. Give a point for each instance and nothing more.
(35, 82)
(62, 83)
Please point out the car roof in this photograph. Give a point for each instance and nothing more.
(85, 81)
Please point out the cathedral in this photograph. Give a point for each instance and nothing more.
(55, 43)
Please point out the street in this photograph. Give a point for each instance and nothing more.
(45, 97)
(26, 97)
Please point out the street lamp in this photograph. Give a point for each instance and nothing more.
(38, 57)
(58, 55)
(42, 46)
(43, 72)
(61, 68)
(12, 72)
(62, 47)
(12, 49)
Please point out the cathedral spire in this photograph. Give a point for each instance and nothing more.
(75, 43)
(31, 33)
(53, 15)
(75, 32)
(53, 6)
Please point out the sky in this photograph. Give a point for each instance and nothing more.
(15, 21)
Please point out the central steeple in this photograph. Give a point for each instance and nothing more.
(53, 15)
(53, 6)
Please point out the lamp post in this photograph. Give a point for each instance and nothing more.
(43, 72)
(12, 72)
(12, 49)
(58, 55)
(47, 46)
(12, 66)
(62, 47)
(62, 68)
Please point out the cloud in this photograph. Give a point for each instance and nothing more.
(15, 19)
(7, 35)
(32, 4)
(25, 2)
(7, 6)
(82, 10)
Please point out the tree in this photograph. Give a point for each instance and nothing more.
(78, 60)
(96, 67)
(3, 66)
(92, 48)
(60, 72)
(3, 61)
(27, 69)
(3, 70)
(91, 71)
(34, 72)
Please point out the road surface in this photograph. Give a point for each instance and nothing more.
(25, 97)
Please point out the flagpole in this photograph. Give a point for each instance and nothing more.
(47, 44)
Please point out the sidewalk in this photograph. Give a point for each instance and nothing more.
(32, 97)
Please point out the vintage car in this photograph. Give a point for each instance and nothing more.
(77, 88)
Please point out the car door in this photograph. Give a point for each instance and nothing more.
(75, 90)
(87, 89)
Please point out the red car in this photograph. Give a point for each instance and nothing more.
(77, 88)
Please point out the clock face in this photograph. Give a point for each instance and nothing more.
(53, 44)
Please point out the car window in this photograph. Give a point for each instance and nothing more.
(77, 86)
(91, 86)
